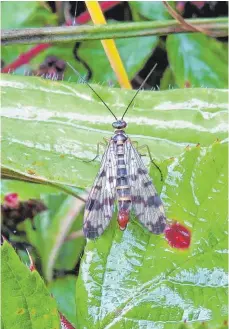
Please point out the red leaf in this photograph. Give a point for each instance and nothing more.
(64, 323)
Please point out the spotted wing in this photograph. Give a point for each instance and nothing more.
(100, 204)
(146, 202)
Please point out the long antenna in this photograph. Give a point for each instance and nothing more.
(139, 90)
(92, 90)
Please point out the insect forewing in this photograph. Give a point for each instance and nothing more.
(100, 203)
(146, 203)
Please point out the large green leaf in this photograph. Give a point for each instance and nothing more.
(26, 302)
(134, 279)
(50, 128)
(198, 60)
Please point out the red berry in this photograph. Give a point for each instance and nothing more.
(11, 200)
(178, 236)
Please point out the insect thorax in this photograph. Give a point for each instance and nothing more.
(119, 136)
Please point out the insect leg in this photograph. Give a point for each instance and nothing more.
(135, 144)
(106, 140)
(151, 159)
(97, 153)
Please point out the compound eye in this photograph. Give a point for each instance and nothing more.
(119, 124)
(124, 124)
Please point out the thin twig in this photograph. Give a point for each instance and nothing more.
(217, 27)
(185, 24)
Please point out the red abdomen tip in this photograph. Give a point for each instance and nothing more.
(178, 236)
(123, 219)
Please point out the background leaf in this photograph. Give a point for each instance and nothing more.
(23, 14)
(153, 10)
(50, 229)
(102, 72)
(191, 63)
(26, 302)
(168, 81)
(36, 15)
(63, 290)
(56, 125)
(135, 279)
(15, 13)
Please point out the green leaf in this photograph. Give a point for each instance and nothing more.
(51, 229)
(152, 10)
(167, 80)
(20, 14)
(198, 60)
(55, 127)
(63, 290)
(134, 279)
(42, 16)
(134, 53)
(71, 251)
(26, 302)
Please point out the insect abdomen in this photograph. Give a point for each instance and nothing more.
(122, 188)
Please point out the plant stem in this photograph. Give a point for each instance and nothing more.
(217, 27)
